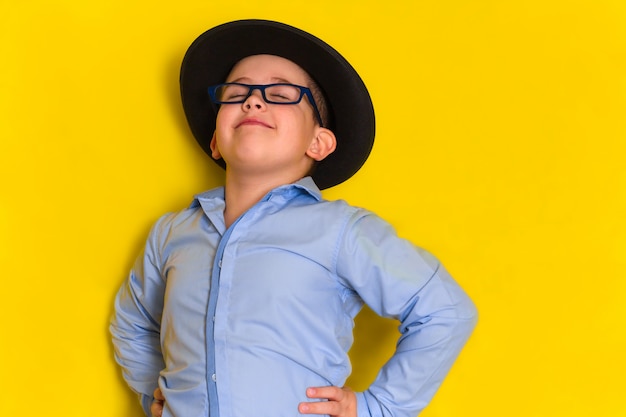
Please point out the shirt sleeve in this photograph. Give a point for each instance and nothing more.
(398, 280)
(136, 322)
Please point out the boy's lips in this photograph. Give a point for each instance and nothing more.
(251, 121)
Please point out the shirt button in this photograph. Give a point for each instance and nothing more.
(214, 377)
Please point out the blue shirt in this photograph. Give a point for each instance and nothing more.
(239, 321)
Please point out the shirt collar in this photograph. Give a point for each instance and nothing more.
(305, 185)
(216, 196)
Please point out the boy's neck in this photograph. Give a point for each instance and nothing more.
(242, 194)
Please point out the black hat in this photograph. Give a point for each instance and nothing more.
(213, 54)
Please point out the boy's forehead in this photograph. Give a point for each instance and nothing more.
(268, 67)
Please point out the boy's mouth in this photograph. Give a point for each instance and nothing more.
(251, 121)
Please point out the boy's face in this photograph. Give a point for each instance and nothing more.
(263, 138)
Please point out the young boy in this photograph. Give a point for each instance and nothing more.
(242, 305)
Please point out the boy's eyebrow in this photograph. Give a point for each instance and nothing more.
(273, 80)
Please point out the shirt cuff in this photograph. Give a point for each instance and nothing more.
(146, 402)
(362, 410)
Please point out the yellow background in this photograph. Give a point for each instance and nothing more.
(500, 144)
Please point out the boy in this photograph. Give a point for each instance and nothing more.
(242, 305)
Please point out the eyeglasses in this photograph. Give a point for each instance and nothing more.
(282, 93)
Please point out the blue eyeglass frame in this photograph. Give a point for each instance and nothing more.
(304, 91)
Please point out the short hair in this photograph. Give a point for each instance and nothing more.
(320, 100)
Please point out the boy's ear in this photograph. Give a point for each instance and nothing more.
(322, 145)
(215, 153)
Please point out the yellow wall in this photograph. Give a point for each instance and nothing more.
(500, 146)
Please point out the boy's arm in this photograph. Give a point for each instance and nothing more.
(436, 316)
(135, 325)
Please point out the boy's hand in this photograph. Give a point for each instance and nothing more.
(341, 402)
(157, 405)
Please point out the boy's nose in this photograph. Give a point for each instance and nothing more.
(255, 99)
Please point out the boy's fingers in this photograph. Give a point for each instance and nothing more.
(330, 393)
(157, 405)
(330, 408)
(158, 395)
(157, 408)
(340, 402)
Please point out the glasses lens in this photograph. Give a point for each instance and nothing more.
(229, 93)
(282, 93)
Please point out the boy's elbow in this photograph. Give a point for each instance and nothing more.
(467, 317)
(468, 310)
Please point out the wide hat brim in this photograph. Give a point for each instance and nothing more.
(213, 54)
